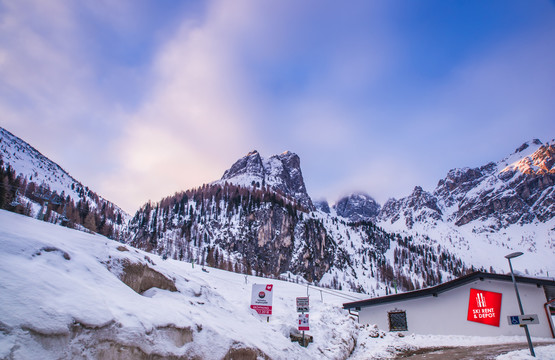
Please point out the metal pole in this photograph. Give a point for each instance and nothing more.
(521, 311)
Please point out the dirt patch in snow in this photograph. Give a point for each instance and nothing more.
(238, 353)
(111, 341)
(141, 277)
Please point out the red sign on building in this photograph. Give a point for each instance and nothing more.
(484, 307)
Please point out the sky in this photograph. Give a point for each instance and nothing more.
(139, 99)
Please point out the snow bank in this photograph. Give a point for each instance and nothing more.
(62, 297)
(542, 352)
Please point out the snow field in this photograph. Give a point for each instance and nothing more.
(61, 298)
(56, 288)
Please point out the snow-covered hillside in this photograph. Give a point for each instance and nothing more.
(38, 187)
(482, 214)
(36, 167)
(62, 295)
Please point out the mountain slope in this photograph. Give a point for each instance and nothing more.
(483, 213)
(32, 184)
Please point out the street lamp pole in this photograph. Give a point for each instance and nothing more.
(509, 257)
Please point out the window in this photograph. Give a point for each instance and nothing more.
(397, 321)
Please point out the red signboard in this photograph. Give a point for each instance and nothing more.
(484, 307)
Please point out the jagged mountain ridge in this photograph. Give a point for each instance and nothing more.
(280, 172)
(496, 208)
(516, 190)
(38, 187)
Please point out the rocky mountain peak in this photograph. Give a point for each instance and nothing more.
(249, 165)
(516, 190)
(357, 207)
(281, 172)
(540, 162)
(526, 145)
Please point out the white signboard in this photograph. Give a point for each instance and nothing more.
(261, 298)
(302, 304)
(303, 322)
(530, 319)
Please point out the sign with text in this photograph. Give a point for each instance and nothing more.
(484, 307)
(530, 319)
(261, 298)
(303, 322)
(302, 304)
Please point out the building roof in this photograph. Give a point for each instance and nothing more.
(549, 286)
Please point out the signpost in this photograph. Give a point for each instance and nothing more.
(509, 257)
(261, 298)
(302, 304)
(522, 320)
(302, 307)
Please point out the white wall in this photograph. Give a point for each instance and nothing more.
(447, 313)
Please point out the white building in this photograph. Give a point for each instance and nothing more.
(475, 304)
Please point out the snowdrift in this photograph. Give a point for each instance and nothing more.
(68, 294)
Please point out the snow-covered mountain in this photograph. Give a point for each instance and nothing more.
(357, 207)
(36, 186)
(255, 220)
(281, 173)
(483, 213)
(258, 218)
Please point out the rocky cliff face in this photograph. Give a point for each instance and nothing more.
(280, 172)
(357, 207)
(419, 206)
(256, 229)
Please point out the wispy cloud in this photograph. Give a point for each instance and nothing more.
(48, 84)
(140, 100)
(197, 117)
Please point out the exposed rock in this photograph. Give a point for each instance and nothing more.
(303, 341)
(419, 206)
(140, 277)
(250, 165)
(358, 207)
(281, 172)
(48, 249)
(517, 190)
(244, 353)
